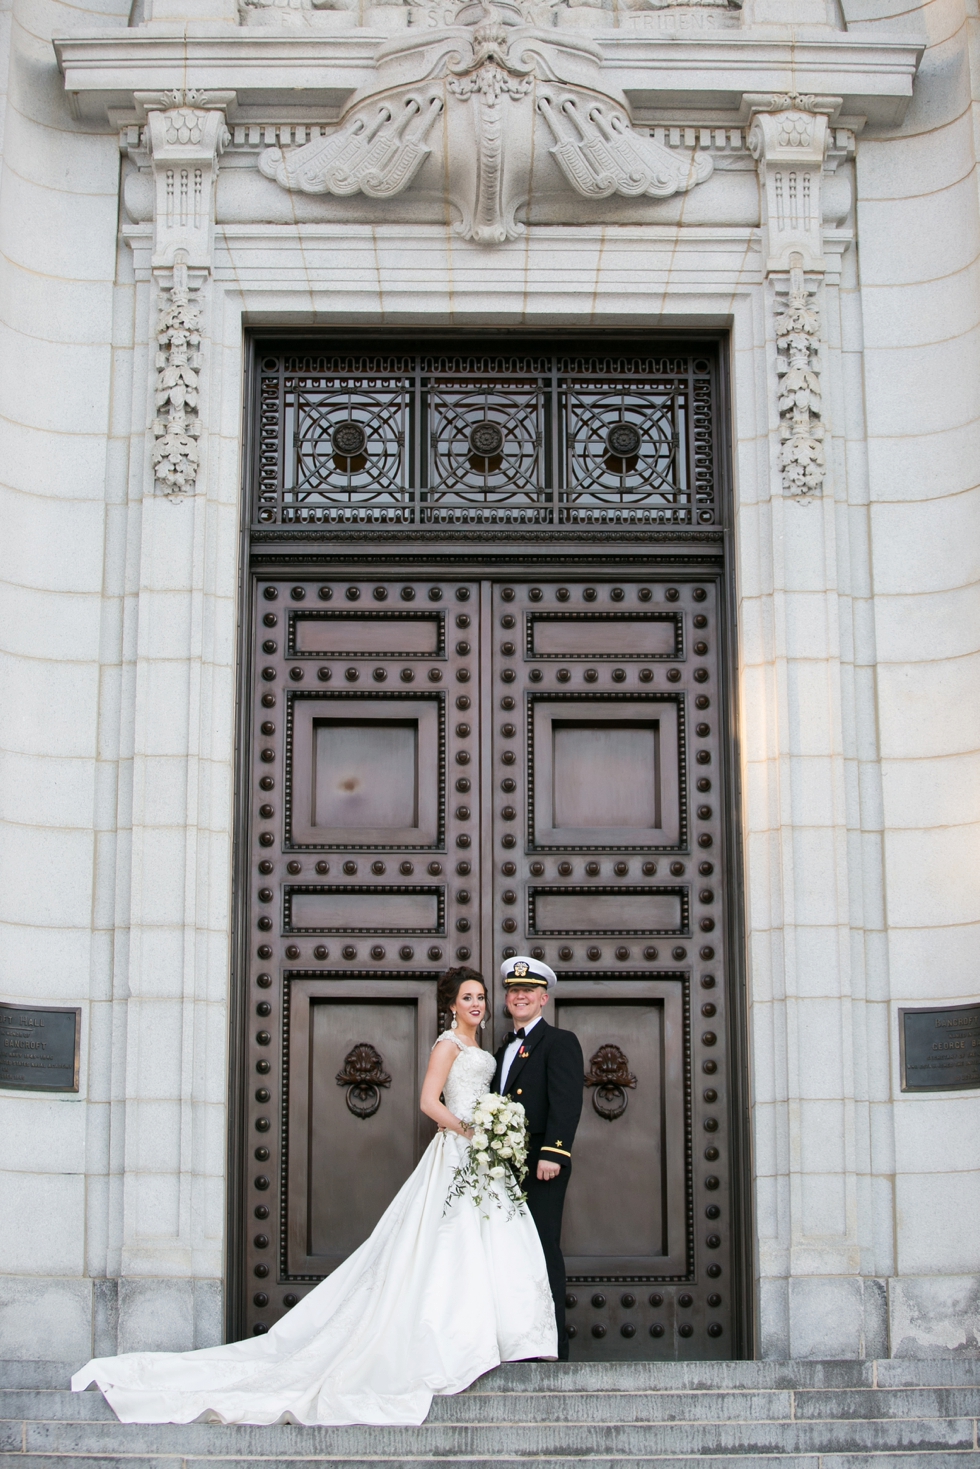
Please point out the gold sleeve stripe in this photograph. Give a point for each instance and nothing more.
(563, 1152)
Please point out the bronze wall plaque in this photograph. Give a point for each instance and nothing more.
(940, 1048)
(39, 1047)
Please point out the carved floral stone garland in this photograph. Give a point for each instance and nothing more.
(801, 458)
(178, 362)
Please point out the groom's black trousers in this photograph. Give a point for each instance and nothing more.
(546, 1202)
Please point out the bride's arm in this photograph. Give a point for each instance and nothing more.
(440, 1064)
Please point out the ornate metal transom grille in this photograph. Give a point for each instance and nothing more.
(484, 440)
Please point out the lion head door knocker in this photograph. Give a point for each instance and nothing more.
(610, 1075)
(363, 1076)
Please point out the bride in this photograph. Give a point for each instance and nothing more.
(435, 1297)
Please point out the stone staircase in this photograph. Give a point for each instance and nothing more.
(651, 1415)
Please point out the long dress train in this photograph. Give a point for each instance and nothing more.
(431, 1300)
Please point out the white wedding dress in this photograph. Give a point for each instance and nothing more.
(433, 1299)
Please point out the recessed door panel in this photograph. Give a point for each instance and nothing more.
(607, 769)
(357, 1053)
(625, 1210)
(365, 768)
(377, 635)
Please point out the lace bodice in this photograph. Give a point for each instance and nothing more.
(469, 1077)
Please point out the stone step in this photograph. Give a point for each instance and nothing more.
(645, 1415)
(504, 1440)
(577, 1377)
(938, 1459)
(957, 1459)
(599, 1406)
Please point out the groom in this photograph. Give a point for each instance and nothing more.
(542, 1068)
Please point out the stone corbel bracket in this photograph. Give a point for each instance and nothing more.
(185, 136)
(789, 137)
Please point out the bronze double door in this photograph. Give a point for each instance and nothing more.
(451, 771)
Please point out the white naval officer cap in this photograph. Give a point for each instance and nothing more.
(522, 969)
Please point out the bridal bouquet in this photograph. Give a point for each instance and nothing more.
(497, 1149)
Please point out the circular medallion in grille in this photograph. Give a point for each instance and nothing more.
(623, 440)
(486, 440)
(348, 439)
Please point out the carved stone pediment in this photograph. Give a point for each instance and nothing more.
(498, 108)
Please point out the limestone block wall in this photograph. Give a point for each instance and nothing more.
(95, 722)
(919, 237)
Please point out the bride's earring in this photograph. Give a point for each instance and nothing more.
(483, 1023)
(453, 1026)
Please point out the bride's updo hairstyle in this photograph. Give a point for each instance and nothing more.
(450, 985)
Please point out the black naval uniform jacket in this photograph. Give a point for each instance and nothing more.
(547, 1077)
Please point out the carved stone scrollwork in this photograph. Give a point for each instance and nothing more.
(801, 429)
(363, 1075)
(494, 85)
(609, 1074)
(177, 426)
(600, 154)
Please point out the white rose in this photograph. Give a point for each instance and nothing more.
(505, 1152)
(479, 1140)
(496, 1173)
(483, 1158)
(500, 1127)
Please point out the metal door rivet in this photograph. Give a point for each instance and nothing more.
(406, 952)
(408, 594)
(650, 952)
(406, 868)
(407, 675)
(679, 952)
(565, 953)
(321, 952)
(435, 952)
(657, 1329)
